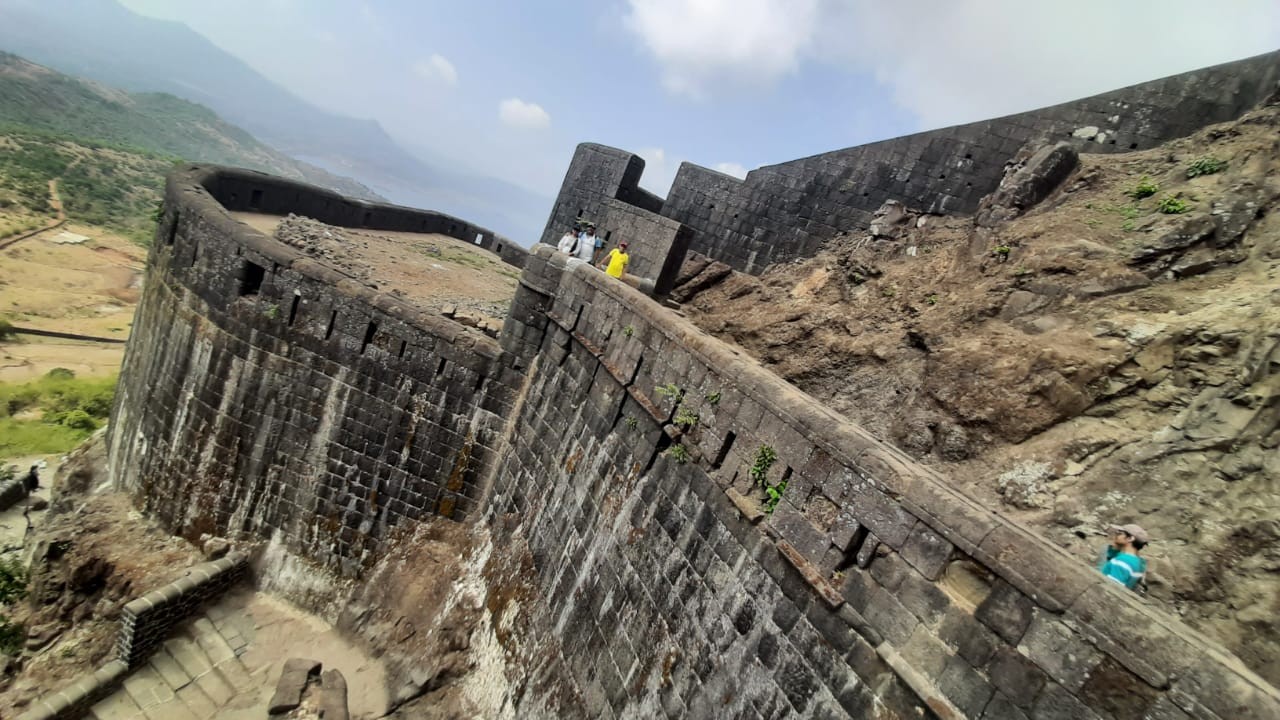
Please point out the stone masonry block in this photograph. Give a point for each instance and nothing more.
(1057, 703)
(1059, 651)
(1006, 611)
(884, 516)
(1016, 676)
(927, 551)
(924, 652)
(970, 638)
(967, 689)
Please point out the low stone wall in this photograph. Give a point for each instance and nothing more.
(145, 623)
(871, 589)
(252, 191)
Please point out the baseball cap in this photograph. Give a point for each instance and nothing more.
(1135, 531)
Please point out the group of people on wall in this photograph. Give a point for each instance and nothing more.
(585, 245)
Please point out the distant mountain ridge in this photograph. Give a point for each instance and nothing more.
(37, 98)
(104, 41)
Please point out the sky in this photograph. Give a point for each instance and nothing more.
(508, 88)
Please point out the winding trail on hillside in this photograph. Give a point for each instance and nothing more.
(55, 202)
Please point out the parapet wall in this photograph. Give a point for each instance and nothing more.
(786, 211)
(264, 394)
(251, 191)
(871, 590)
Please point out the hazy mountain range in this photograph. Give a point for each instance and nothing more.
(34, 97)
(103, 41)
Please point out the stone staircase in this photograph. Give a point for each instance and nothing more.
(197, 674)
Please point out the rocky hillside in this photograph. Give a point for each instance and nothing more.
(35, 99)
(1099, 343)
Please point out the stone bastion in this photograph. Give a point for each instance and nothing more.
(267, 397)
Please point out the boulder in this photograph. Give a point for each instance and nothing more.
(293, 681)
(1028, 183)
(333, 696)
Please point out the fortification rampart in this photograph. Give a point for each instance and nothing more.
(265, 394)
(872, 587)
(785, 211)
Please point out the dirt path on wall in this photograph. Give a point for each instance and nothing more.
(431, 270)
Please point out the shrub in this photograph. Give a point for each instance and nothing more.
(670, 390)
(1146, 187)
(6, 329)
(679, 453)
(1170, 205)
(765, 458)
(1205, 166)
(12, 635)
(13, 580)
(685, 417)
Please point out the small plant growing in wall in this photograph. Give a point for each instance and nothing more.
(712, 398)
(670, 391)
(685, 417)
(628, 331)
(773, 495)
(678, 453)
(272, 311)
(764, 459)
(1001, 252)
(1170, 205)
(1205, 166)
(631, 423)
(931, 298)
(1146, 187)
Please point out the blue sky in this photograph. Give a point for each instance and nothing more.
(508, 88)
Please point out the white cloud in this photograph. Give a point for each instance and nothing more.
(952, 61)
(437, 68)
(970, 59)
(518, 113)
(731, 168)
(743, 42)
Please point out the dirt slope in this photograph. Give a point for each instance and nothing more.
(1093, 360)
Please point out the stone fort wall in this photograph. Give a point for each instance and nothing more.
(786, 211)
(872, 589)
(266, 396)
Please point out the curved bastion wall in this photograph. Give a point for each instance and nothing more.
(263, 393)
(265, 396)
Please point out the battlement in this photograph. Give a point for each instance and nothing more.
(789, 210)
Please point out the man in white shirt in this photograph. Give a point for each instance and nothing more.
(587, 244)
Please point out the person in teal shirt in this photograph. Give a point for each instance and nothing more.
(1121, 562)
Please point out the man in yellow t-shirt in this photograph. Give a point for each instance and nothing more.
(615, 263)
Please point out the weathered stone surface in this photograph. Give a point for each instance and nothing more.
(1006, 611)
(1016, 676)
(333, 696)
(294, 676)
